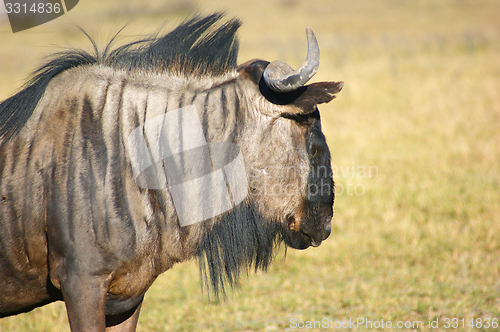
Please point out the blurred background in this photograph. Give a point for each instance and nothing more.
(415, 143)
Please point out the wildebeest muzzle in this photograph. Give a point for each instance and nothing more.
(311, 226)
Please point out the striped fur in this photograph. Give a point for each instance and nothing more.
(192, 49)
(72, 216)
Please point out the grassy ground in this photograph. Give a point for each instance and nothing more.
(415, 140)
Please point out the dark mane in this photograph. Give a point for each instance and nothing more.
(195, 47)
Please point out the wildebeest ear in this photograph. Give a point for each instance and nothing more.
(317, 93)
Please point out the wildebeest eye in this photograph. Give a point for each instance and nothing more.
(307, 118)
(316, 149)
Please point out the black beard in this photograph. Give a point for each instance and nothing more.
(240, 240)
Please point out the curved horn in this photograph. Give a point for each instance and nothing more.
(280, 77)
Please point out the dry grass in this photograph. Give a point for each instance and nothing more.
(419, 239)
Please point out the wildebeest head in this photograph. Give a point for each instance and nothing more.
(290, 172)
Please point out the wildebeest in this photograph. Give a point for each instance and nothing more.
(88, 211)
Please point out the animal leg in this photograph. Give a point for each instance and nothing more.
(126, 322)
(85, 299)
